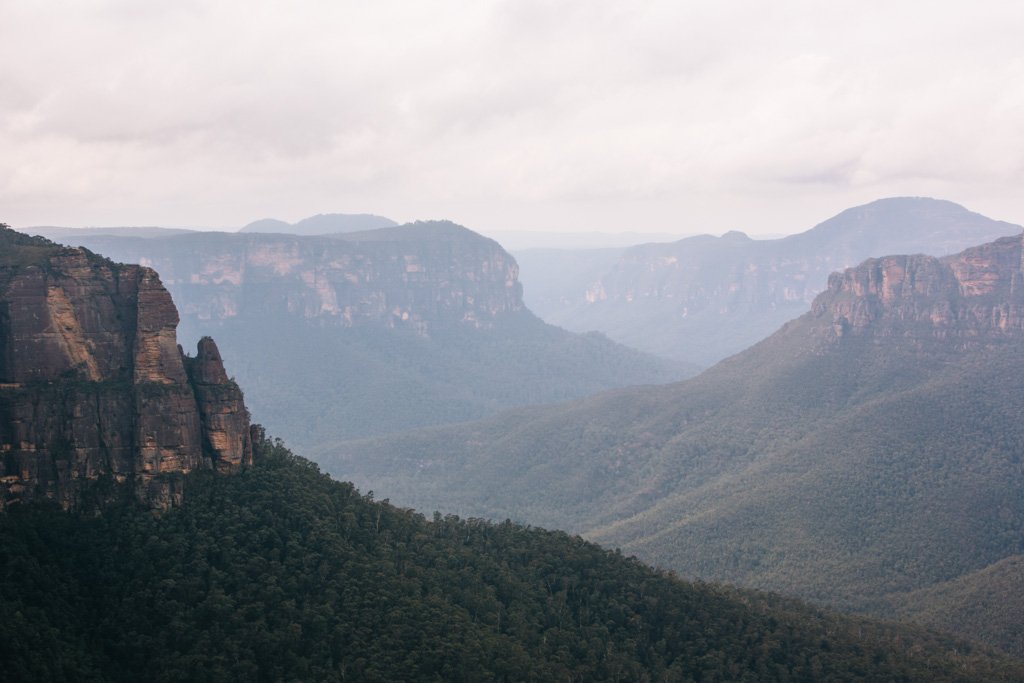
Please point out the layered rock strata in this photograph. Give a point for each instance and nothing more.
(414, 276)
(975, 295)
(93, 385)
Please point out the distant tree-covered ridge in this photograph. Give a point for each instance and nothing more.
(281, 574)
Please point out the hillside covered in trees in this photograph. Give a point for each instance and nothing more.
(280, 573)
(868, 450)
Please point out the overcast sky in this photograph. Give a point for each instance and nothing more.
(536, 115)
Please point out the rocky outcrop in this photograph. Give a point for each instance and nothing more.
(223, 417)
(976, 294)
(93, 386)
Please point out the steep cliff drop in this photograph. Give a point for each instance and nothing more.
(94, 387)
(965, 300)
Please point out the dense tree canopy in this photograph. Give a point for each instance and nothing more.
(280, 573)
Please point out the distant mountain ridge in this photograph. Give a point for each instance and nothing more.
(322, 224)
(61, 234)
(704, 298)
(396, 276)
(377, 331)
(868, 450)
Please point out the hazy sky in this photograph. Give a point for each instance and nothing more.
(676, 116)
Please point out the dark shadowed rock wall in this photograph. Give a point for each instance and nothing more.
(94, 386)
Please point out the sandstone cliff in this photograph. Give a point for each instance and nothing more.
(94, 386)
(970, 297)
(415, 276)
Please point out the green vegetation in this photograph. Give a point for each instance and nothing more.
(985, 604)
(280, 573)
(18, 250)
(318, 385)
(845, 473)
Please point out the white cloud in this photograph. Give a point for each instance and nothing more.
(572, 114)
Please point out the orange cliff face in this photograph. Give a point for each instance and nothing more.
(972, 296)
(93, 384)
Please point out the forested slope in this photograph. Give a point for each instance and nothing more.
(986, 604)
(280, 573)
(868, 449)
